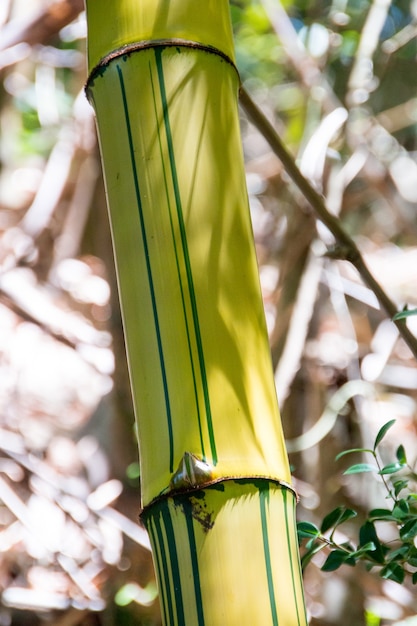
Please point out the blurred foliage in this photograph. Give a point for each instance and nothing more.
(337, 80)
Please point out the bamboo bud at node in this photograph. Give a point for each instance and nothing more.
(191, 472)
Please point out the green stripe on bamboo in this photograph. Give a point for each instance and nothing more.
(190, 281)
(148, 266)
(161, 569)
(263, 501)
(177, 264)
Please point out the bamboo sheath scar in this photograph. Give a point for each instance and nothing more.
(215, 480)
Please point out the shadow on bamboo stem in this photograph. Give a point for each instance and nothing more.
(346, 248)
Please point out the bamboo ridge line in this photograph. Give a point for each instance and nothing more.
(347, 248)
(137, 46)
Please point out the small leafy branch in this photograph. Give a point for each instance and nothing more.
(395, 559)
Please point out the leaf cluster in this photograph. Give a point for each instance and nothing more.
(396, 559)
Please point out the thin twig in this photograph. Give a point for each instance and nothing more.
(346, 248)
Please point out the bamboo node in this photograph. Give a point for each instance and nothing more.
(128, 49)
(193, 474)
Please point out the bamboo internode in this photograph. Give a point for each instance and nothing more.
(214, 469)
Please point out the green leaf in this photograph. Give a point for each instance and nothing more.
(403, 505)
(382, 514)
(401, 510)
(394, 572)
(400, 554)
(337, 558)
(391, 468)
(306, 558)
(351, 451)
(311, 543)
(412, 556)
(401, 455)
(360, 468)
(347, 515)
(331, 519)
(403, 314)
(307, 530)
(382, 432)
(368, 547)
(337, 517)
(367, 534)
(409, 530)
(399, 485)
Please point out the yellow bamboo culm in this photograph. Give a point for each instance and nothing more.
(214, 472)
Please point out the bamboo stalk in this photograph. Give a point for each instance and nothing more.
(214, 470)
